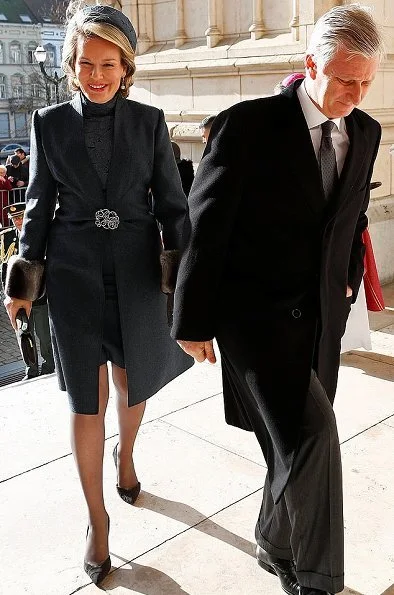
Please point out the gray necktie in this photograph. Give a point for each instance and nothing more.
(327, 160)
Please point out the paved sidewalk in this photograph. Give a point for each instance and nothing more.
(192, 530)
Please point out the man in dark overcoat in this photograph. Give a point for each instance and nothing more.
(274, 261)
(38, 321)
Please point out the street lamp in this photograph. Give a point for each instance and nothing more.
(41, 55)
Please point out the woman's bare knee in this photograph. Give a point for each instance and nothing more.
(119, 377)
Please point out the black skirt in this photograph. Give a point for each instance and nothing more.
(112, 344)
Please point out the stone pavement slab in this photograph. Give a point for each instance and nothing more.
(192, 531)
(367, 463)
(204, 424)
(42, 519)
(39, 404)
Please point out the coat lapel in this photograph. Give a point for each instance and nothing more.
(120, 173)
(90, 180)
(301, 154)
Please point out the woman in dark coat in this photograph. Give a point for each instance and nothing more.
(99, 155)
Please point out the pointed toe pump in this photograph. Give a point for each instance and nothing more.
(128, 495)
(97, 572)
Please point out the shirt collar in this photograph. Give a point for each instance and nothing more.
(313, 116)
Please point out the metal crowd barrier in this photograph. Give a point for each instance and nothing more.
(9, 197)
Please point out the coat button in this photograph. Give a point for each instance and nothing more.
(296, 313)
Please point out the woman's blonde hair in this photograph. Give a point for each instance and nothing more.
(81, 25)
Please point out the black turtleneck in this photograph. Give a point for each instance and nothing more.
(98, 127)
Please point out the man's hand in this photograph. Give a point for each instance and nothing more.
(200, 350)
(349, 291)
(20, 183)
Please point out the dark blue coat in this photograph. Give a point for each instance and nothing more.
(60, 168)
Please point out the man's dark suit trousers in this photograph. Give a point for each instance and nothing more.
(307, 523)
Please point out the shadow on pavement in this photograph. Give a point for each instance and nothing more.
(142, 579)
(190, 516)
(372, 364)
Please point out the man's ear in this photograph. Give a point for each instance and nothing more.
(310, 66)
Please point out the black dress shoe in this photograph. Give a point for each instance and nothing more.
(128, 495)
(311, 591)
(284, 570)
(97, 572)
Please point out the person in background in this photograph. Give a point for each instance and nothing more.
(25, 159)
(5, 183)
(287, 81)
(5, 186)
(108, 271)
(38, 320)
(17, 173)
(185, 168)
(205, 127)
(301, 162)
(22, 156)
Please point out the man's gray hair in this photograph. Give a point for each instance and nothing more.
(351, 27)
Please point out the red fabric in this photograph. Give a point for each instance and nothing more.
(373, 291)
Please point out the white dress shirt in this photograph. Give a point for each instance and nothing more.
(314, 119)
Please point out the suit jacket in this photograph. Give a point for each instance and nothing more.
(269, 260)
(60, 170)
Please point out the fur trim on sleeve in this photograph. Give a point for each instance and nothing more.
(25, 279)
(169, 260)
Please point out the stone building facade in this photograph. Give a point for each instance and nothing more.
(22, 87)
(198, 57)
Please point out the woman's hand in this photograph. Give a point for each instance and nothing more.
(200, 350)
(13, 305)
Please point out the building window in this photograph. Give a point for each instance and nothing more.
(52, 92)
(51, 54)
(1, 53)
(30, 53)
(20, 124)
(35, 90)
(3, 87)
(15, 53)
(17, 86)
(4, 126)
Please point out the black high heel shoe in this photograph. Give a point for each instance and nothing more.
(97, 572)
(128, 495)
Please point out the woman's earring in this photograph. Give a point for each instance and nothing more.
(122, 86)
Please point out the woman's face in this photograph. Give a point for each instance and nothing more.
(98, 68)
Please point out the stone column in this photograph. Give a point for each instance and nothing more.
(295, 21)
(130, 9)
(180, 34)
(257, 27)
(213, 33)
(145, 26)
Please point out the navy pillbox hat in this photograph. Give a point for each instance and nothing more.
(112, 16)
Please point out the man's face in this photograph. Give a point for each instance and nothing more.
(18, 221)
(21, 154)
(338, 86)
(205, 134)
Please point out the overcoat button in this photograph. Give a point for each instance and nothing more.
(296, 313)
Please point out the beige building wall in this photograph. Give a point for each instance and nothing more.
(198, 57)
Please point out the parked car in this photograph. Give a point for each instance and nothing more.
(10, 150)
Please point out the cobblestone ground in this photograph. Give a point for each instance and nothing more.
(9, 351)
